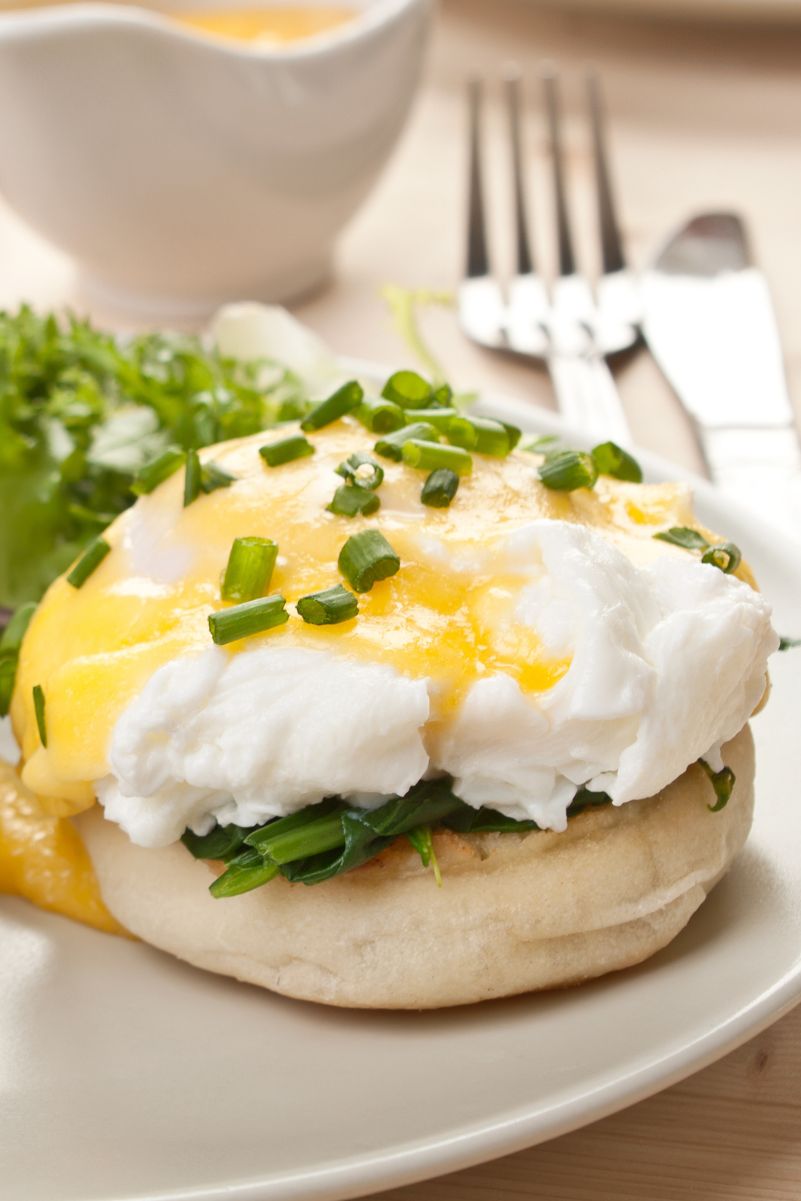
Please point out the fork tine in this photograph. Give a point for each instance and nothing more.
(477, 255)
(613, 257)
(524, 263)
(567, 259)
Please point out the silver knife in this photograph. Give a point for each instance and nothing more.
(709, 322)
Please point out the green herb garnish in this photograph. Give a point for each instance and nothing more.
(91, 559)
(245, 620)
(158, 470)
(611, 459)
(380, 416)
(366, 558)
(191, 478)
(246, 871)
(683, 536)
(568, 470)
(250, 567)
(785, 644)
(344, 400)
(361, 469)
(286, 450)
(39, 710)
(725, 556)
(10, 643)
(407, 389)
(428, 456)
(440, 488)
(482, 435)
(328, 608)
(351, 501)
(391, 447)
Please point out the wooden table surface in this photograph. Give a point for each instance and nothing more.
(702, 116)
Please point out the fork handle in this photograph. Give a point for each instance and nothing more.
(587, 396)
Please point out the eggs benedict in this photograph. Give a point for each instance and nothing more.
(380, 709)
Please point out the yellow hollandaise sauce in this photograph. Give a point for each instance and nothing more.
(43, 860)
(277, 25)
(93, 649)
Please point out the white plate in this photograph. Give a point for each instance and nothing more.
(736, 10)
(126, 1075)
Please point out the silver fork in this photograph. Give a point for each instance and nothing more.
(570, 327)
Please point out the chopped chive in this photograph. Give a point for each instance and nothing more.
(192, 477)
(244, 873)
(11, 639)
(725, 556)
(407, 389)
(328, 608)
(91, 558)
(213, 477)
(380, 416)
(39, 710)
(350, 501)
(439, 418)
(440, 488)
(723, 783)
(442, 396)
(545, 444)
(514, 433)
(344, 400)
(427, 456)
(251, 562)
(286, 450)
(567, 470)
(391, 446)
(785, 642)
(481, 434)
(361, 469)
(683, 536)
(611, 459)
(366, 558)
(252, 617)
(158, 470)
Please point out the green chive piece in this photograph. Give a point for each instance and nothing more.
(344, 400)
(785, 643)
(683, 536)
(350, 501)
(567, 470)
(245, 620)
(91, 558)
(362, 470)
(439, 418)
(328, 608)
(480, 434)
(366, 558)
(192, 477)
(725, 556)
(611, 459)
(251, 562)
(427, 456)
(544, 445)
(440, 488)
(380, 416)
(213, 477)
(723, 783)
(407, 389)
(158, 470)
(442, 396)
(513, 433)
(244, 873)
(286, 450)
(391, 446)
(10, 642)
(39, 710)
(11, 639)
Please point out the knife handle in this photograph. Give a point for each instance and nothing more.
(587, 396)
(761, 468)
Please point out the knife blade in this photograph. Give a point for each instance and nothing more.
(709, 322)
